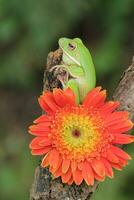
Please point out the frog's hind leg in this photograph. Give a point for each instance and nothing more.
(74, 86)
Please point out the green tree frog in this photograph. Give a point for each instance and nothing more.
(77, 61)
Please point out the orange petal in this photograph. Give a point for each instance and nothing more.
(98, 167)
(44, 106)
(109, 107)
(77, 176)
(108, 168)
(66, 177)
(54, 158)
(43, 118)
(80, 165)
(99, 99)
(59, 97)
(121, 130)
(114, 122)
(35, 144)
(70, 96)
(70, 181)
(39, 130)
(122, 162)
(91, 97)
(116, 116)
(121, 127)
(40, 127)
(40, 133)
(112, 157)
(65, 165)
(116, 166)
(55, 169)
(49, 100)
(87, 173)
(99, 178)
(41, 151)
(45, 161)
(58, 172)
(45, 142)
(73, 166)
(58, 165)
(123, 139)
(120, 153)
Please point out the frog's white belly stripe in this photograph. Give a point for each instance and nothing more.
(75, 61)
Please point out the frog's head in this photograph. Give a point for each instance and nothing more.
(71, 50)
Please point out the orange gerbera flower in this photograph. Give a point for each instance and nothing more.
(80, 141)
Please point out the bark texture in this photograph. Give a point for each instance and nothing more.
(44, 186)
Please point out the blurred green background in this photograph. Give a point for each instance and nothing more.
(29, 30)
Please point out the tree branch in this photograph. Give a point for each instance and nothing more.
(46, 188)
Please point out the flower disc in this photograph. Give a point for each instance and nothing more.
(77, 133)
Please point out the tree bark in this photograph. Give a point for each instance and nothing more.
(44, 186)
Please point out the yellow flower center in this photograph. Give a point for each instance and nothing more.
(76, 133)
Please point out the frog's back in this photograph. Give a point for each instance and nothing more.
(88, 66)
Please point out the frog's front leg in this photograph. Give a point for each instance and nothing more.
(74, 70)
(62, 74)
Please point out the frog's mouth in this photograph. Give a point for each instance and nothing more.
(70, 57)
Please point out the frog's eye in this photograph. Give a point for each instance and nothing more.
(71, 46)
